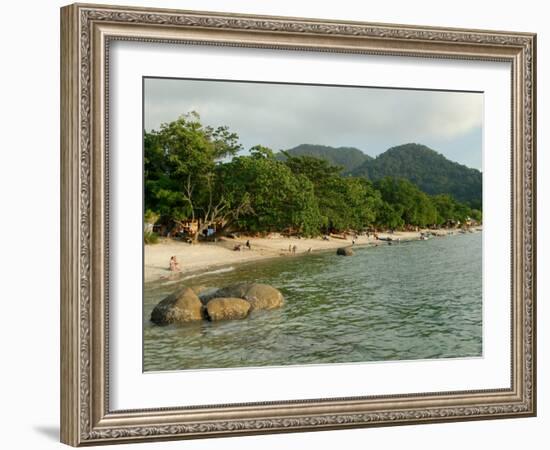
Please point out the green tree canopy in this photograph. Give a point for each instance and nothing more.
(413, 206)
(278, 199)
(344, 202)
(180, 164)
(192, 172)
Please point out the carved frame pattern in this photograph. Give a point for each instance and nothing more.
(86, 418)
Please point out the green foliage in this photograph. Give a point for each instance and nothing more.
(180, 163)
(476, 215)
(449, 210)
(278, 199)
(408, 202)
(430, 171)
(151, 217)
(348, 158)
(344, 202)
(188, 177)
(150, 238)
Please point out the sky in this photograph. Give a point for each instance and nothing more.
(282, 116)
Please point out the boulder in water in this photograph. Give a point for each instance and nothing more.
(263, 296)
(200, 289)
(344, 251)
(260, 296)
(233, 290)
(224, 308)
(179, 307)
(208, 294)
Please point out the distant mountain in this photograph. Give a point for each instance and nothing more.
(429, 170)
(349, 158)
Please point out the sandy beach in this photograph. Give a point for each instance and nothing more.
(208, 255)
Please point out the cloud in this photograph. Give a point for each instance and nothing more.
(282, 116)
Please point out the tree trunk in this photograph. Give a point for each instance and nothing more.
(200, 229)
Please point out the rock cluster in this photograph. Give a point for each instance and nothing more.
(228, 303)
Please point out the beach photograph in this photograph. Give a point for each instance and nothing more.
(297, 224)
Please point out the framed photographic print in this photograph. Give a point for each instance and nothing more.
(276, 224)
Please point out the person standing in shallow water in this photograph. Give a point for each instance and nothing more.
(174, 265)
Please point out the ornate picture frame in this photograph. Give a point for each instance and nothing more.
(87, 32)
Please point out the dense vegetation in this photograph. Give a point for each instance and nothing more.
(427, 169)
(192, 173)
(347, 157)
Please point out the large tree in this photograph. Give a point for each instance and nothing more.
(344, 202)
(413, 206)
(180, 171)
(279, 200)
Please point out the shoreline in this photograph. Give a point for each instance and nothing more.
(202, 256)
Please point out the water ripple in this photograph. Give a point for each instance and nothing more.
(416, 300)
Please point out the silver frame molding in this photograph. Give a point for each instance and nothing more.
(86, 33)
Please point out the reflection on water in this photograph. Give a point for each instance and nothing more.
(414, 300)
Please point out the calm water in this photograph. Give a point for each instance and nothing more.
(414, 300)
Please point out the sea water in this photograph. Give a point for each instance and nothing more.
(406, 301)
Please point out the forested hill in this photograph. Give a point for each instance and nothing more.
(349, 158)
(429, 170)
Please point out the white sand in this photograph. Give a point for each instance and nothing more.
(202, 255)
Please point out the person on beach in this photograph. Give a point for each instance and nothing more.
(174, 265)
(294, 248)
(248, 245)
(289, 248)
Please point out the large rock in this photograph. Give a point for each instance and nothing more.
(234, 290)
(263, 296)
(344, 251)
(200, 289)
(260, 296)
(227, 308)
(208, 294)
(180, 307)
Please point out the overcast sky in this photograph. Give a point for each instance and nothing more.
(281, 116)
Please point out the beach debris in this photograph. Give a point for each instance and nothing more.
(344, 251)
(179, 307)
(339, 236)
(227, 308)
